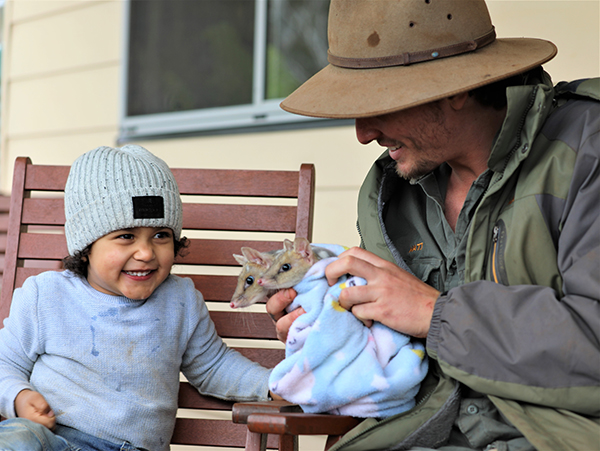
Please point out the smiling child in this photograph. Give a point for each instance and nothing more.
(90, 357)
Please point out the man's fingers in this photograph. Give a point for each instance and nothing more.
(277, 303)
(349, 264)
(351, 296)
(283, 325)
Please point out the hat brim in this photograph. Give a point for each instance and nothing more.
(336, 92)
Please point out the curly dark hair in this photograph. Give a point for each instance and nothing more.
(78, 263)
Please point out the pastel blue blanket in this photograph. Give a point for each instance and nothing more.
(335, 364)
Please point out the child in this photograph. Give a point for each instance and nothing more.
(90, 357)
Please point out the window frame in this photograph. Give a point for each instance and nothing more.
(260, 114)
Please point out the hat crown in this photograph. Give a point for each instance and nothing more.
(372, 29)
(110, 189)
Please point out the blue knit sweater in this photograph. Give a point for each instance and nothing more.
(108, 365)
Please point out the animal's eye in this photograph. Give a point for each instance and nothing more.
(249, 280)
(286, 267)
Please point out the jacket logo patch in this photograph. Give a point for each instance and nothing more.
(416, 247)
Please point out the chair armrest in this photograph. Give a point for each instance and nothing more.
(292, 423)
(242, 410)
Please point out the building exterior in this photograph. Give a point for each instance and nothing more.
(63, 94)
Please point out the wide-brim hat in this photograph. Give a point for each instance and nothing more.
(389, 55)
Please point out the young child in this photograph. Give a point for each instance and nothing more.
(90, 357)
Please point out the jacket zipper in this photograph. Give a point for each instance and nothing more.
(494, 252)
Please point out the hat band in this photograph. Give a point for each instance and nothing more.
(407, 58)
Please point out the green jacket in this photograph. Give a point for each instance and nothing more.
(520, 317)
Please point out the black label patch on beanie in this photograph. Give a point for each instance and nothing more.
(148, 207)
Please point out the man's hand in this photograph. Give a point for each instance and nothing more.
(276, 306)
(392, 296)
(33, 406)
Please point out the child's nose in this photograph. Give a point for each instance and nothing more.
(144, 251)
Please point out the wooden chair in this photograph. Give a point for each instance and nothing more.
(4, 208)
(218, 220)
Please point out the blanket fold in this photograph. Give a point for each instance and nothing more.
(335, 364)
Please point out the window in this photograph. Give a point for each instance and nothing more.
(199, 65)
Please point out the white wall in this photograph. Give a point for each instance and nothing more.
(61, 85)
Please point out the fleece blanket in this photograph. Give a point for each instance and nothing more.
(335, 364)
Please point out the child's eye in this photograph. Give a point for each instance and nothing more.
(163, 234)
(126, 236)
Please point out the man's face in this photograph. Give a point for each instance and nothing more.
(417, 138)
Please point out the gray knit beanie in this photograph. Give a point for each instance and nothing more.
(117, 188)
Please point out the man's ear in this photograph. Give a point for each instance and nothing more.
(457, 102)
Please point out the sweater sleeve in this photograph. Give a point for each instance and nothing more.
(19, 347)
(219, 371)
(526, 342)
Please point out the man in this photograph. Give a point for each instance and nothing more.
(480, 223)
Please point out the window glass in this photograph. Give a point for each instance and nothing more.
(187, 55)
(296, 44)
(197, 65)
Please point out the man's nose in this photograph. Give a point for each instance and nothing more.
(366, 130)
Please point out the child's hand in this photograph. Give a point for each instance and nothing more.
(33, 406)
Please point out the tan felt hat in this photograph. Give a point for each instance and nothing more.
(389, 55)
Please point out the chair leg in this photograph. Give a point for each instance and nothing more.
(288, 443)
(332, 440)
(256, 441)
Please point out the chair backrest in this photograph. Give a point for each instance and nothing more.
(4, 208)
(223, 211)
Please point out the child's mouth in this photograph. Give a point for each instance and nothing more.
(138, 273)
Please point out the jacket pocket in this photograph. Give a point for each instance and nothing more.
(497, 264)
(427, 269)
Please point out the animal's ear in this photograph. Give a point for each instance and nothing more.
(287, 245)
(302, 246)
(254, 256)
(240, 259)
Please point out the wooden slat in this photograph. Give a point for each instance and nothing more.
(24, 273)
(244, 325)
(268, 358)
(43, 211)
(43, 246)
(214, 287)
(4, 203)
(190, 398)
(253, 183)
(208, 433)
(212, 433)
(258, 218)
(46, 177)
(220, 252)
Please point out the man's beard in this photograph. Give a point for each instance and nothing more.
(419, 169)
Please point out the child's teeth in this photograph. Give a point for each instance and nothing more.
(138, 273)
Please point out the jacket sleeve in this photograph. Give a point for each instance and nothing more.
(19, 347)
(526, 342)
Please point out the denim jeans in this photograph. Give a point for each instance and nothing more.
(19, 434)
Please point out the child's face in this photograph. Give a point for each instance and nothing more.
(131, 262)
